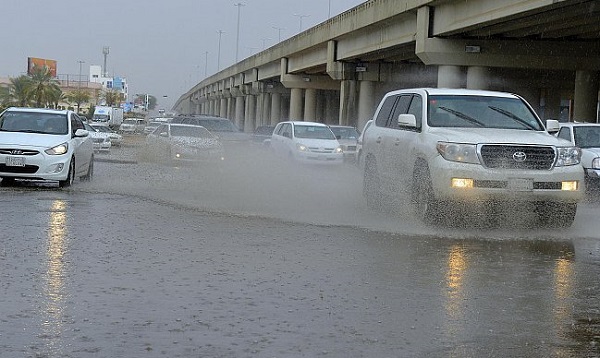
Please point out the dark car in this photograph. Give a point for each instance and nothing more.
(262, 133)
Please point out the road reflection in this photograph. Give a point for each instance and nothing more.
(54, 290)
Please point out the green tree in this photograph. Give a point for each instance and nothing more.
(19, 91)
(78, 97)
(43, 88)
(112, 97)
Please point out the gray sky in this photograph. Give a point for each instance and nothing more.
(158, 45)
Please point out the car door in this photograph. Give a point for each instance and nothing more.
(391, 144)
(83, 148)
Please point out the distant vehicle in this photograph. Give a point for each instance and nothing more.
(132, 126)
(115, 138)
(221, 127)
(44, 144)
(101, 140)
(183, 143)
(359, 143)
(151, 126)
(307, 142)
(586, 136)
(262, 133)
(348, 138)
(109, 116)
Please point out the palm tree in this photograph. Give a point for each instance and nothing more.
(112, 98)
(19, 93)
(44, 88)
(78, 97)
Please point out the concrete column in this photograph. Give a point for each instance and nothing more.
(211, 107)
(250, 115)
(347, 102)
(265, 118)
(275, 108)
(551, 105)
(231, 107)
(223, 107)
(478, 77)
(366, 103)
(449, 76)
(310, 104)
(296, 104)
(239, 112)
(585, 99)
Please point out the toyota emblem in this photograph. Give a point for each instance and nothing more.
(519, 157)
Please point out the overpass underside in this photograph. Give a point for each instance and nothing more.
(548, 51)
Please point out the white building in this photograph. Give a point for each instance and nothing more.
(108, 83)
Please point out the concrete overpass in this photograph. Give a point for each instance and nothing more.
(336, 72)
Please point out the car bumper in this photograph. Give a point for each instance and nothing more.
(320, 158)
(38, 167)
(506, 185)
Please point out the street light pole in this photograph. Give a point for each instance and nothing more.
(205, 64)
(237, 39)
(79, 82)
(278, 31)
(329, 10)
(301, 17)
(220, 32)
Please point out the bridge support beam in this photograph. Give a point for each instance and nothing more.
(310, 104)
(239, 112)
(275, 108)
(586, 96)
(250, 114)
(296, 104)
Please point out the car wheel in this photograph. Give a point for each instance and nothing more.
(90, 173)
(426, 208)
(372, 185)
(556, 215)
(70, 176)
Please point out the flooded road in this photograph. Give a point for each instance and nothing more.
(268, 260)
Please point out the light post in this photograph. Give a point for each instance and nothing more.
(299, 16)
(329, 10)
(278, 32)
(220, 32)
(205, 64)
(237, 39)
(79, 82)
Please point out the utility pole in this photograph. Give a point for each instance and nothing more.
(220, 32)
(237, 39)
(301, 17)
(105, 52)
(205, 64)
(79, 82)
(278, 32)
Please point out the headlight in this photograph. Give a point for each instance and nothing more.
(568, 156)
(58, 150)
(458, 152)
(596, 163)
(302, 147)
(339, 150)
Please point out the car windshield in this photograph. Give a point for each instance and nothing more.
(190, 131)
(345, 132)
(32, 122)
(218, 125)
(587, 136)
(481, 111)
(313, 132)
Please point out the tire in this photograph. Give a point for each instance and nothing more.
(425, 207)
(556, 215)
(90, 173)
(70, 176)
(372, 185)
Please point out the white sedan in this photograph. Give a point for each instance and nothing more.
(183, 143)
(115, 138)
(44, 144)
(101, 140)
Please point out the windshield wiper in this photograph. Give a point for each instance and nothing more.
(463, 116)
(513, 116)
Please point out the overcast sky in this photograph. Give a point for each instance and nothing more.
(160, 46)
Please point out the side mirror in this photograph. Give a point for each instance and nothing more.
(164, 134)
(407, 120)
(552, 126)
(81, 133)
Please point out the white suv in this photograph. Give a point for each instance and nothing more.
(445, 147)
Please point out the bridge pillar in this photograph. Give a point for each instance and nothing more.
(478, 78)
(310, 104)
(449, 76)
(275, 108)
(586, 96)
(223, 107)
(250, 115)
(347, 101)
(366, 103)
(239, 112)
(296, 104)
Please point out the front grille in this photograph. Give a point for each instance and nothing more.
(321, 150)
(28, 169)
(517, 157)
(98, 140)
(14, 151)
(502, 184)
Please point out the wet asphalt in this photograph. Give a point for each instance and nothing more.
(254, 258)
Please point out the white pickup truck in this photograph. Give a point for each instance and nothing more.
(454, 148)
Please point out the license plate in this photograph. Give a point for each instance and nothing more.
(15, 161)
(519, 184)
